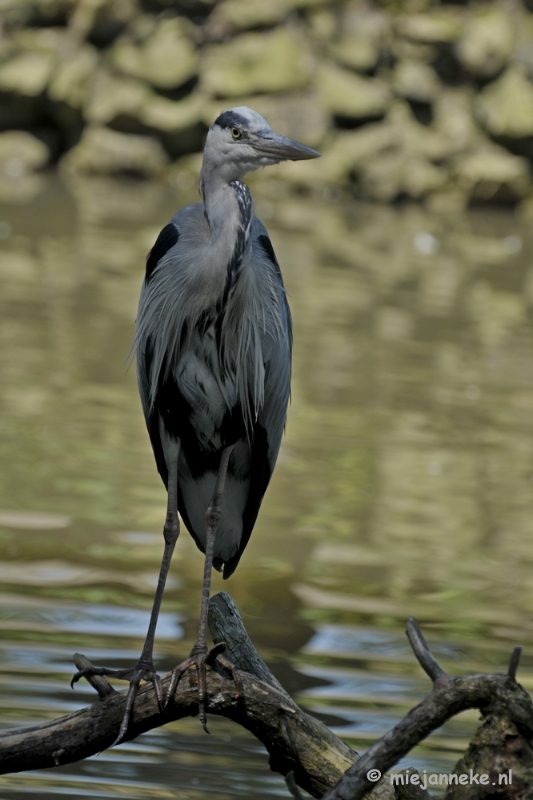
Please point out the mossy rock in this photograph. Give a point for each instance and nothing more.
(136, 108)
(21, 153)
(166, 58)
(394, 175)
(27, 74)
(505, 107)
(397, 139)
(436, 28)
(241, 15)
(355, 52)
(41, 40)
(105, 152)
(453, 116)
(493, 174)
(343, 153)
(110, 96)
(38, 58)
(358, 35)
(170, 116)
(306, 4)
(257, 62)
(70, 80)
(345, 94)
(487, 42)
(414, 139)
(36, 12)
(415, 81)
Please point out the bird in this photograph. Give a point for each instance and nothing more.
(213, 348)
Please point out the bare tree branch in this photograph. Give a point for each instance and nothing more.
(514, 662)
(300, 747)
(498, 694)
(421, 650)
(295, 741)
(99, 683)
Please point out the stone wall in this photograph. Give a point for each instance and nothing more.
(421, 100)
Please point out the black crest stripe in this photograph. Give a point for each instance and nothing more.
(229, 118)
(166, 239)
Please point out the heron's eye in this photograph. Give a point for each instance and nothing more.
(235, 132)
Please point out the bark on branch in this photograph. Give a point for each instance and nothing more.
(296, 742)
(498, 696)
(300, 747)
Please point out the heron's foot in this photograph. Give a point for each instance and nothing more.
(199, 658)
(142, 671)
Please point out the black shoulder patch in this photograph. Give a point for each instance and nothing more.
(266, 244)
(229, 118)
(166, 239)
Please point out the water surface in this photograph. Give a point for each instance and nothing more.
(404, 484)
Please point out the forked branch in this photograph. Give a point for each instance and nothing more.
(299, 746)
(491, 694)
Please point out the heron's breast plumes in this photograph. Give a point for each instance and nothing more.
(213, 353)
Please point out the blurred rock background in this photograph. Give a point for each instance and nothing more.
(426, 100)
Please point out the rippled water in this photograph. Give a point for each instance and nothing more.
(404, 485)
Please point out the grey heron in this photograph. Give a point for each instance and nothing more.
(213, 351)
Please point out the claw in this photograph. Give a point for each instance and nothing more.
(142, 671)
(84, 673)
(130, 700)
(230, 667)
(177, 673)
(198, 660)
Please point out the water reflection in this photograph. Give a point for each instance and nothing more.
(404, 485)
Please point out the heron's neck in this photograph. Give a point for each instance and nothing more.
(229, 212)
(228, 205)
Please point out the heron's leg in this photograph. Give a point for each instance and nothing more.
(144, 669)
(199, 652)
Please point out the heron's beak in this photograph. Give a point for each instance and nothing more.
(281, 148)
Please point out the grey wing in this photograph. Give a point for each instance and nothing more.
(145, 344)
(277, 357)
(277, 353)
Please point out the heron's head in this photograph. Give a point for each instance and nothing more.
(241, 140)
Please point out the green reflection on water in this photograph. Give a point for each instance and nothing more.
(404, 485)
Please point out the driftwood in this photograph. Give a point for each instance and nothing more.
(301, 748)
(498, 697)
